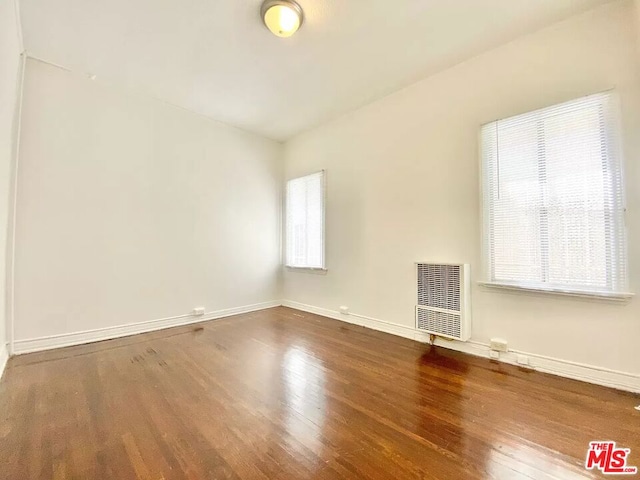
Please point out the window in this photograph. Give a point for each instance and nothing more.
(305, 222)
(553, 199)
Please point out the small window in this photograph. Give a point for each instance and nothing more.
(305, 222)
(553, 199)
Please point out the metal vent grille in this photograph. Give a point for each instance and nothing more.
(443, 300)
(439, 286)
(443, 323)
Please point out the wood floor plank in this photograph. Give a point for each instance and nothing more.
(282, 394)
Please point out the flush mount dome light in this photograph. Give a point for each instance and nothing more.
(282, 17)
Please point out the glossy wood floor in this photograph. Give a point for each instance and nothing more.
(281, 394)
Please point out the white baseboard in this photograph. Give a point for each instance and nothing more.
(564, 368)
(108, 333)
(4, 356)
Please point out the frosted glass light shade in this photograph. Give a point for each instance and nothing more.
(282, 17)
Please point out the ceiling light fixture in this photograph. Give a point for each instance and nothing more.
(282, 17)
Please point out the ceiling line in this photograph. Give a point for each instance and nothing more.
(141, 94)
(18, 18)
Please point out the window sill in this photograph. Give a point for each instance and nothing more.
(317, 271)
(611, 296)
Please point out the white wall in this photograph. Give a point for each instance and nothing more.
(131, 210)
(9, 68)
(403, 186)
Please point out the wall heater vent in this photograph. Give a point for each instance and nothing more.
(443, 300)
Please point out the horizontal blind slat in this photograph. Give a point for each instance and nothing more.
(305, 221)
(553, 197)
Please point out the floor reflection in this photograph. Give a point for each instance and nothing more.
(442, 392)
(304, 397)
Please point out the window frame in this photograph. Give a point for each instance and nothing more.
(318, 270)
(487, 245)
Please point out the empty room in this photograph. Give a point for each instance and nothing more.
(319, 239)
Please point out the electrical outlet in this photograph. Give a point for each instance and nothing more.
(523, 360)
(344, 310)
(198, 311)
(499, 345)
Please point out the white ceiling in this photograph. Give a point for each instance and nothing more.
(215, 57)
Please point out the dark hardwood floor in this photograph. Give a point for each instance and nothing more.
(281, 394)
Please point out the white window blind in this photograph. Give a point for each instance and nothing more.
(553, 199)
(305, 221)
